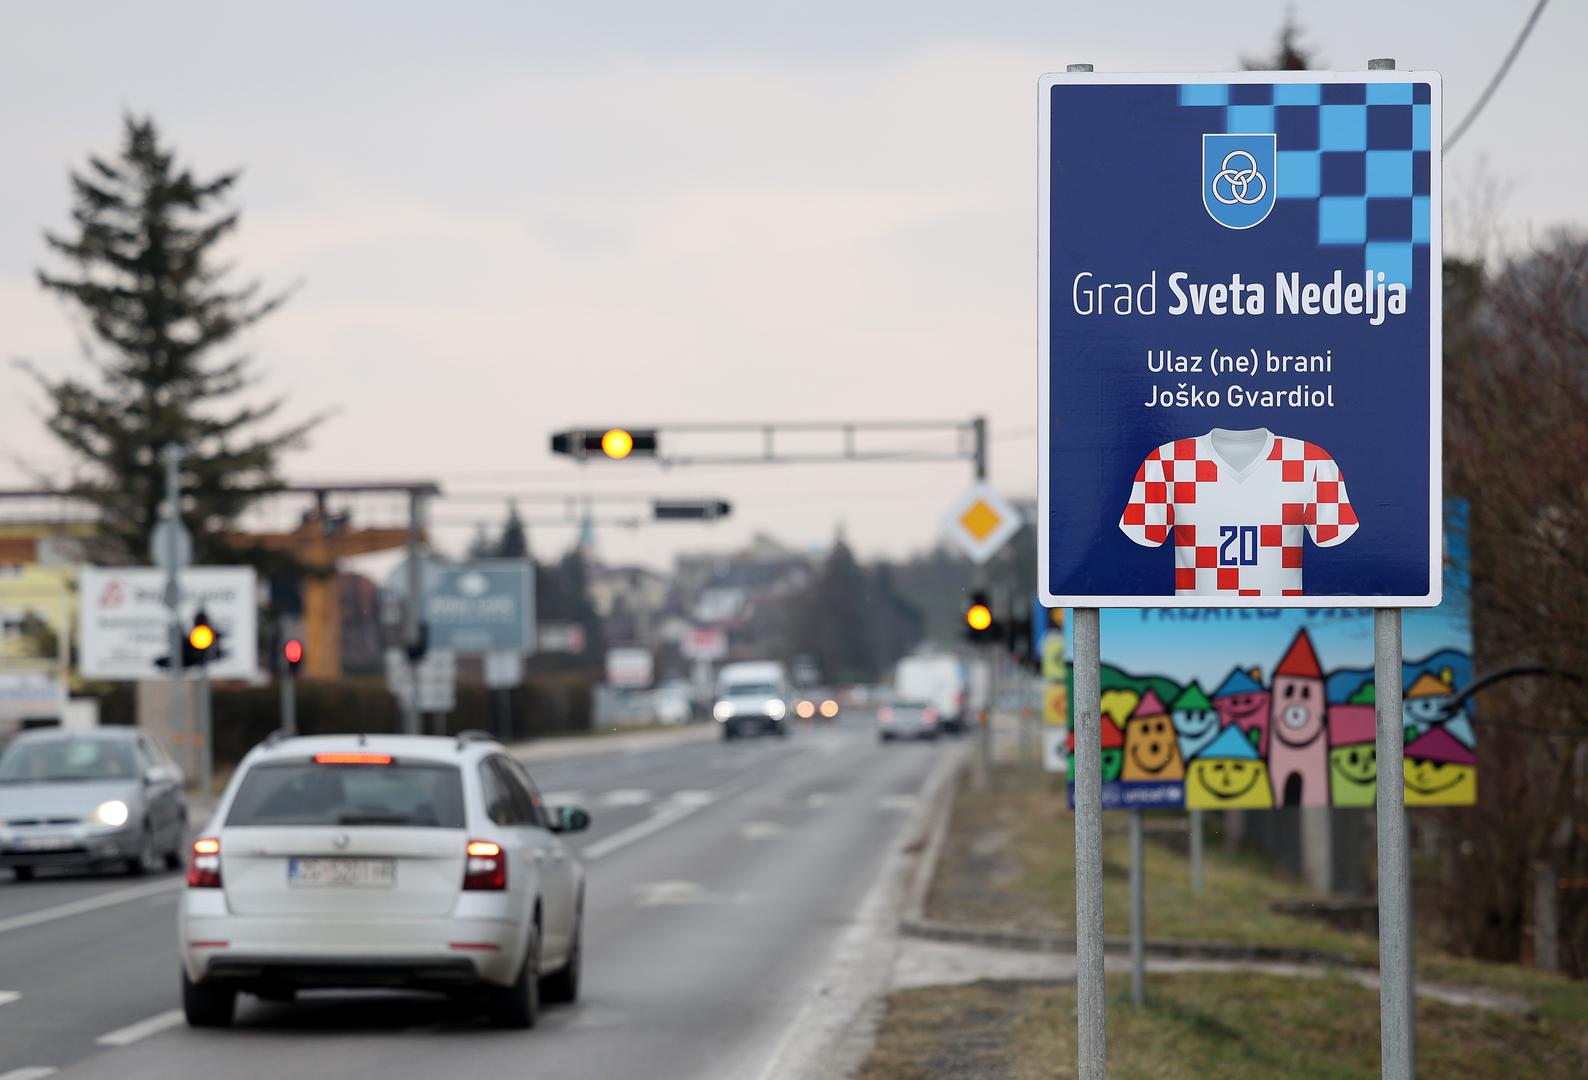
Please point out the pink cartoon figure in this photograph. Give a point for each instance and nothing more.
(1298, 744)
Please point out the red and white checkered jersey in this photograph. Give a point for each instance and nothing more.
(1238, 532)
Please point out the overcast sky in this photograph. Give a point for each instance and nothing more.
(510, 218)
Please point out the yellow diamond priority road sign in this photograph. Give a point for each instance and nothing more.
(981, 521)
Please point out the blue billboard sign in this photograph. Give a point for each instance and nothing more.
(1239, 293)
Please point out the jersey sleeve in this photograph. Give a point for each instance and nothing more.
(1149, 513)
(1330, 517)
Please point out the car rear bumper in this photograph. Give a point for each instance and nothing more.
(443, 951)
(907, 730)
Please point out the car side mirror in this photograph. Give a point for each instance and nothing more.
(569, 819)
(152, 777)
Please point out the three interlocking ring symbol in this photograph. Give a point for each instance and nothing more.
(1238, 182)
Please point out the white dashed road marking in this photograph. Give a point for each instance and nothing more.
(91, 903)
(7, 997)
(30, 1072)
(761, 830)
(626, 797)
(142, 1029)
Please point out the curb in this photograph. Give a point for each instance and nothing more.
(932, 835)
(1160, 948)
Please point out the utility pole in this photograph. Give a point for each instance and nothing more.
(172, 455)
(411, 624)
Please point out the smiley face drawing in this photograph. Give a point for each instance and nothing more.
(1152, 752)
(1228, 775)
(1439, 771)
(1242, 701)
(1353, 761)
(1196, 722)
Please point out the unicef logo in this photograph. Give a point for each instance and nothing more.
(1238, 178)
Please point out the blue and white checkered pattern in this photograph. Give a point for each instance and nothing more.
(1358, 151)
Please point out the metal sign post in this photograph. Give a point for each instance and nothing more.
(1394, 886)
(1138, 915)
(1091, 1002)
(1196, 852)
(206, 740)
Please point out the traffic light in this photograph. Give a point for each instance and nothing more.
(691, 509)
(292, 653)
(200, 645)
(981, 628)
(605, 444)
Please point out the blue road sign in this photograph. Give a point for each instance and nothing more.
(1239, 339)
(483, 606)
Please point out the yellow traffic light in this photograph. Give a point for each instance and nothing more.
(201, 637)
(978, 617)
(616, 444)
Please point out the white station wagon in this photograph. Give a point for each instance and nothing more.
(416, 862)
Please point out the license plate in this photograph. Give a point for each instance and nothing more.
(43, 843)
(342, 873)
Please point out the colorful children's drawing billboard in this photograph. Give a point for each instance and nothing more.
(1212, 709)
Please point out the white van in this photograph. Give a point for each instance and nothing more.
(752, 697)
(941, 680)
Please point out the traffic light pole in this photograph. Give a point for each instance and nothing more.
(172, 455)
(289, 705)
(205, 735)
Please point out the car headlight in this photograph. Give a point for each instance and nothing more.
(722, 711)
(776, 709)
(829, 708)
(112, 813)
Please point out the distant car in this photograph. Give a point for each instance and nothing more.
(752, 697)
(940, 679)
(907, 720)
(414, 862)
(816, 703)
(106, 797)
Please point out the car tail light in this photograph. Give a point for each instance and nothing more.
(352, 759)
(486, 867)
(929, 715)
(204, 864)
(884, 714)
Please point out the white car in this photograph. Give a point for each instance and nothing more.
(415, 862)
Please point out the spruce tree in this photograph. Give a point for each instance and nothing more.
(161, 320)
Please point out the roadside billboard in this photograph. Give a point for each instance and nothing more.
(1239, 339)
(124, 624)
(487, 605)
(1260, 708)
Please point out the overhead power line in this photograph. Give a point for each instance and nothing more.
(1499, 76)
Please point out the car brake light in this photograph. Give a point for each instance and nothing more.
(352, 759)
(884, 714)
(486, 867)
(204, 864)
(929, 715)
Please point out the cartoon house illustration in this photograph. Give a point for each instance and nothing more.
(1440, 771)
(1151, 750)
(1353, 758)
(1242, 701)
(1196, 722)
(1298, 747)
(1113, 750)
(1426, 704)
(1228, 775)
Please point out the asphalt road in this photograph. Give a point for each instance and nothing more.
(720, 877)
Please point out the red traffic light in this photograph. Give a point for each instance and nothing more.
(293, 651)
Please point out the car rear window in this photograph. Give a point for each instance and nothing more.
(285, 793)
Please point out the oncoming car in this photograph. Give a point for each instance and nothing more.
(414, 862)
(814, 703)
